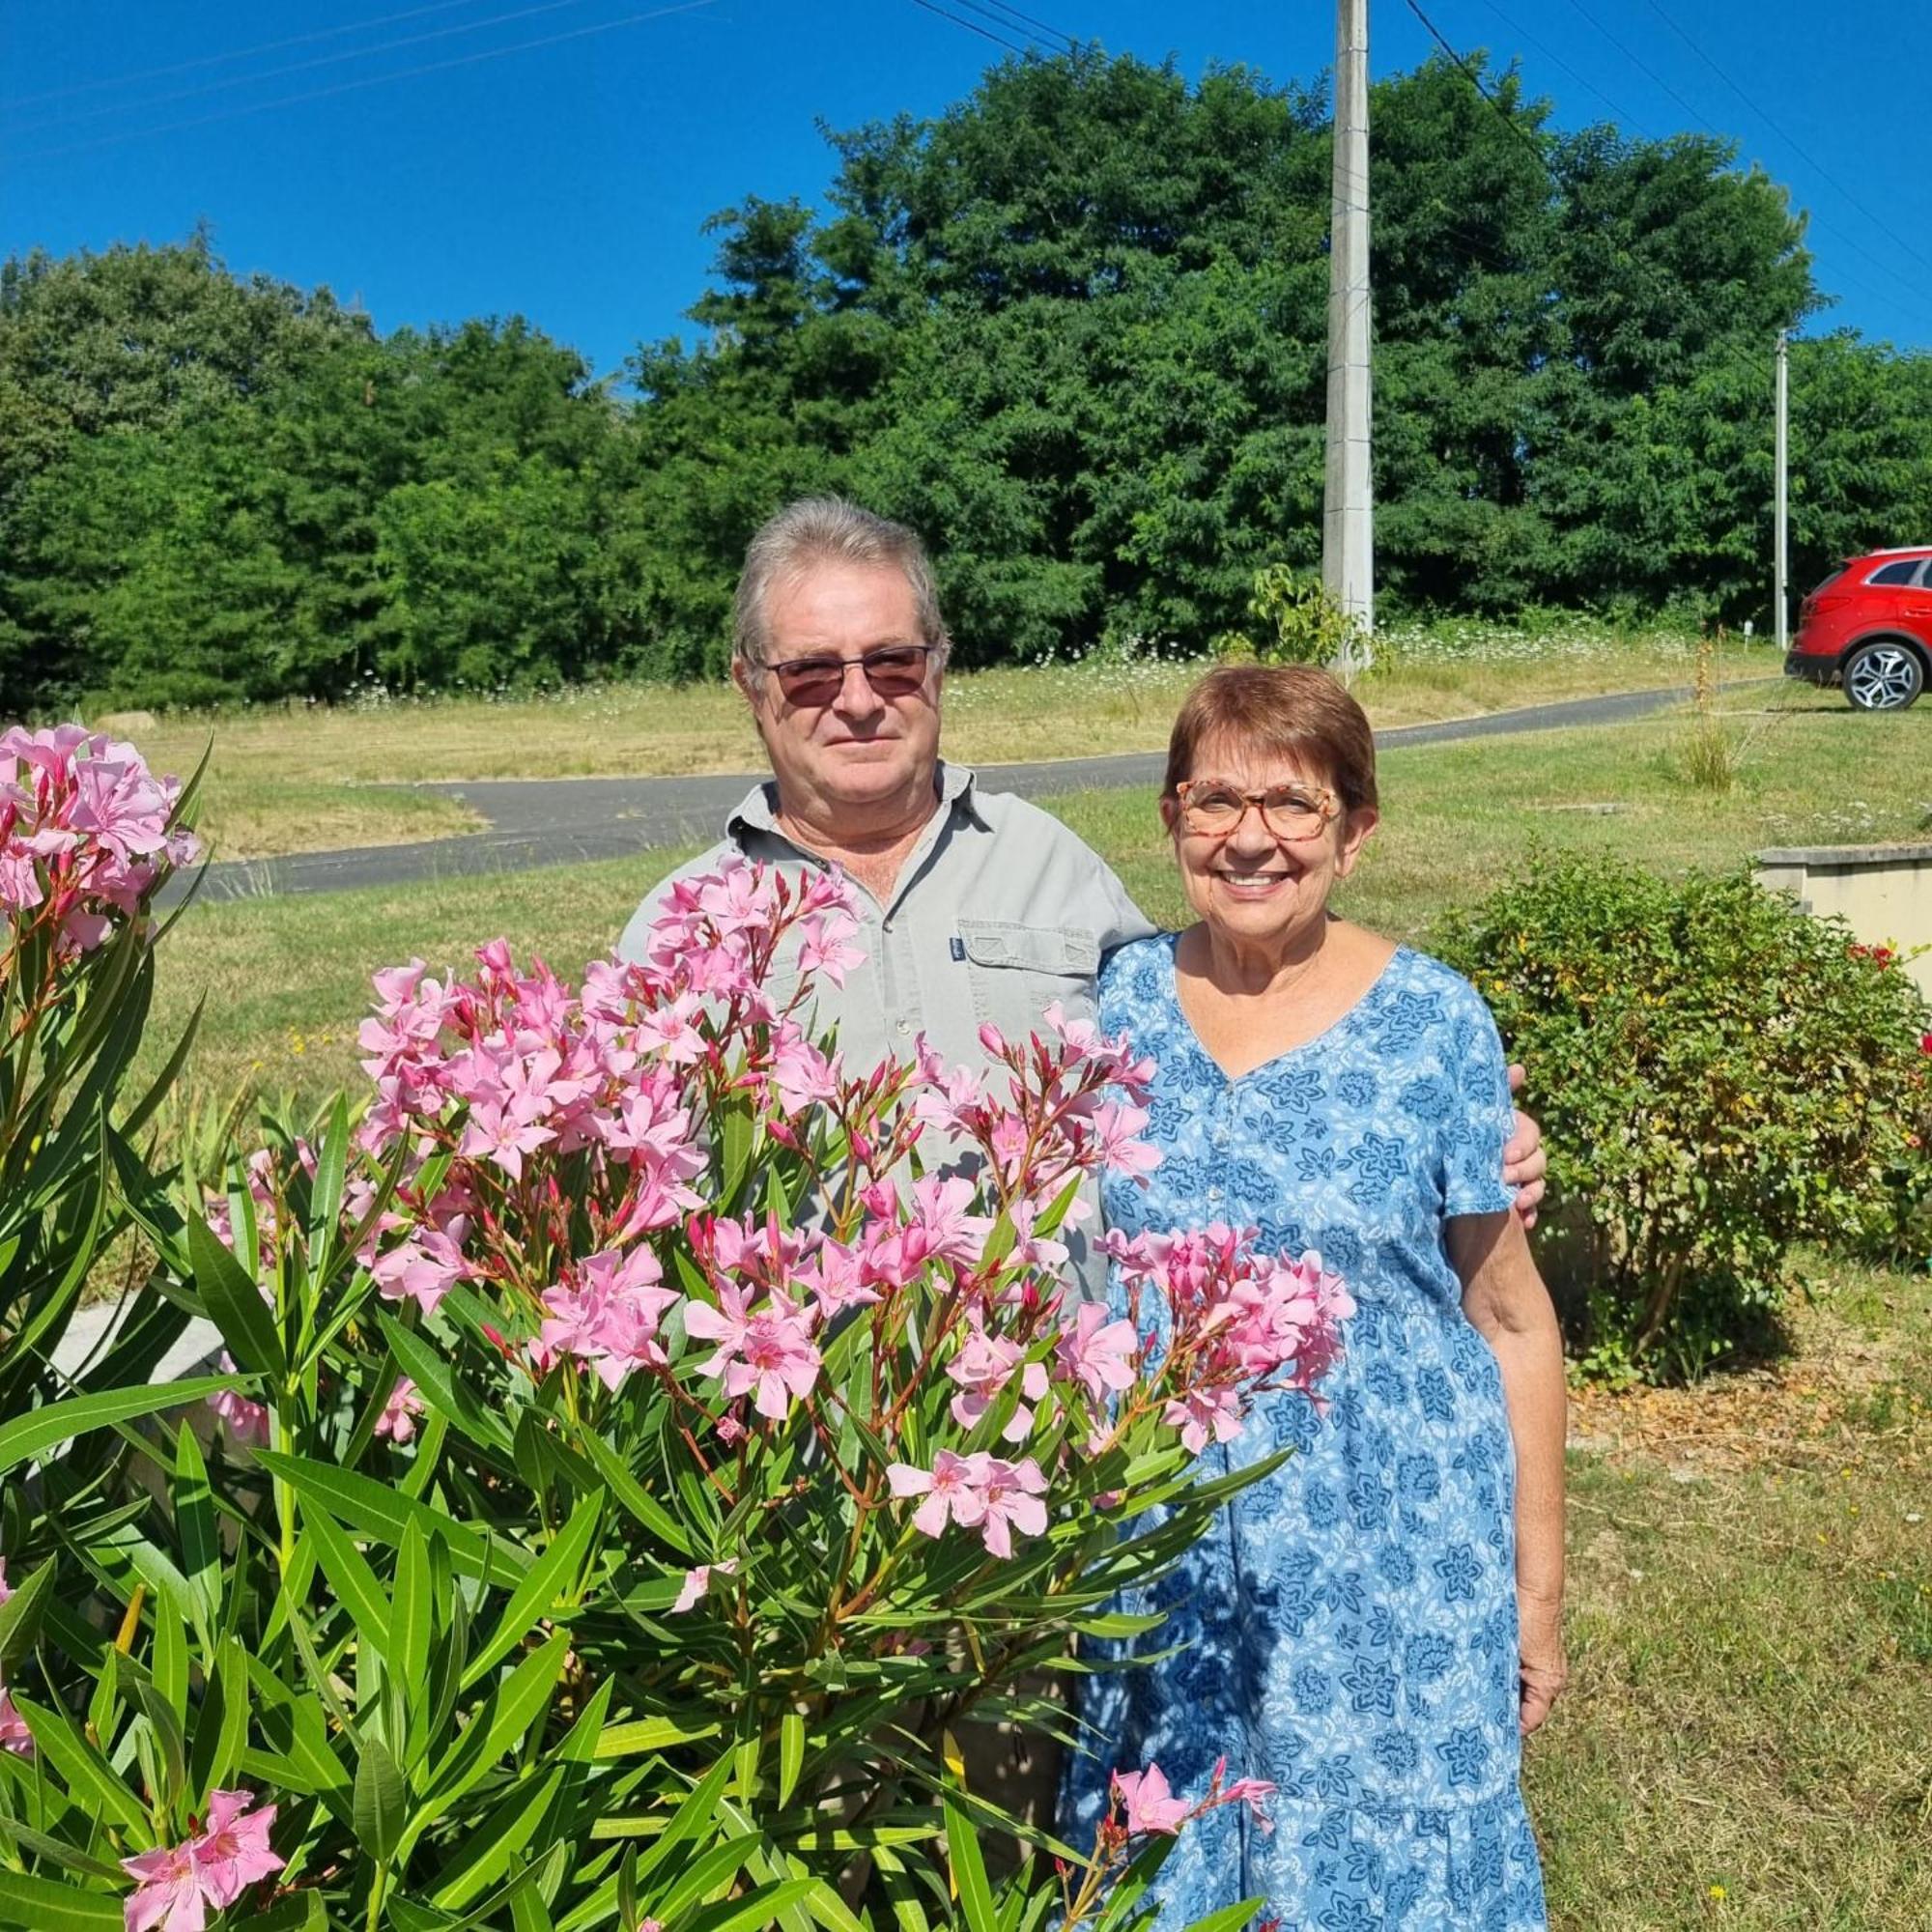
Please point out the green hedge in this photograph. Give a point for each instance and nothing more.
(1720, 1077)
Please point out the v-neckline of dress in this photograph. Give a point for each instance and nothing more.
(1343, 1019)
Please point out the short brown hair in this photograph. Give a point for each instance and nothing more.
(1286, 710)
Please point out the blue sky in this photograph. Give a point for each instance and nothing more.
(432, 163)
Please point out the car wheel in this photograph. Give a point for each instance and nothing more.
(1882, 677)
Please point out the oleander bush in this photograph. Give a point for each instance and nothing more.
(645, 1444)
(1720, 1077)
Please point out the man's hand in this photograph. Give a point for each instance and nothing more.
(1523, 1159)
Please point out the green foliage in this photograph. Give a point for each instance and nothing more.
(1720, 1077)
(1072, 329)
(1298, 621)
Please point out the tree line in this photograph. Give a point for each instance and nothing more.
(1073, 330)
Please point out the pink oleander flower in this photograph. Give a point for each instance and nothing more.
(769, 1354)
(822, 949)
(1252, 1792)
(800, 1074)
(398, 1419)
(1097, 1352)
(233, 1851)
(978, 1491)
(247, 1422)
(941, 1228)
(168, 1895)
(949, 1488)
(983, 1367)
(83, 830)
(1010, 1496)
(696, 1583)
(423, 1267)
(5, 1589)
(1149, 1803)
(14, 1736)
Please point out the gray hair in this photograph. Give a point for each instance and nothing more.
(828, 530)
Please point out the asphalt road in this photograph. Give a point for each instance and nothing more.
(536, 822)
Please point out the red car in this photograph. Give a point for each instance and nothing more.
(1868, 627)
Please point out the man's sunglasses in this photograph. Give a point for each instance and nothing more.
(893, 670)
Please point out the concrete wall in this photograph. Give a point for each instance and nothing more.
(1884, 893)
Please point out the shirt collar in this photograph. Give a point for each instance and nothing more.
(758, 809)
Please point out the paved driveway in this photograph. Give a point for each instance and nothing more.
(536, 822)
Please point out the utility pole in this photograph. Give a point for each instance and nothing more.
(1348, 507)
(1782, 511)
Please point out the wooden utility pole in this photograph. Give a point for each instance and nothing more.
(1782, 511)
(1347, 508)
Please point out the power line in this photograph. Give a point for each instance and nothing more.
(1475, 80)
(370, 80)
(1765, 115)
(299, 67)
(998, 7)
(1549, 54)
(239, 53)
(1577, 7)
(973, 27)
(1627, 119)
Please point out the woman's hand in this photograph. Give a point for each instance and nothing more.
(1545, 1672)
(1523, 1159)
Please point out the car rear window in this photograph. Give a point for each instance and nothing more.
(1901, 572)
(1829, 578)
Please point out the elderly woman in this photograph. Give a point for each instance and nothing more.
(1375, 1626)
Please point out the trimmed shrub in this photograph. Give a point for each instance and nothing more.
(1720, 1077)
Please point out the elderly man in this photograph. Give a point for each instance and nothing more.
(975, 905)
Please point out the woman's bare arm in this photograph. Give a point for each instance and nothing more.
(1507, 1303)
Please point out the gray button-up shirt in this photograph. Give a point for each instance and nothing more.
(998, 911)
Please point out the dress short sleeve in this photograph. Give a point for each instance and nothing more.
(1483, 1119)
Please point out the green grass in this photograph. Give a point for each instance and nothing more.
(1750, 1641)
(310, 778)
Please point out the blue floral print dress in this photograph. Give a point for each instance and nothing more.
(1347, 1628)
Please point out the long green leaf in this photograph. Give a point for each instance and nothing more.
(382, 1802)
(969, 1868)
(535, 1596)
(634, 1496)
(791, 1754)
(164, 1722)
(1231, 1917)
(411, 1619)
(43, 1905)
(325, 1193)
(220, 1725)
(761, 1907)
(199, 1536)
(488, 1848)
(89, 1781)
(60, 1852)
(444, 1391)
(43, 1429)
(356, 1584)
(20, 1617)
(234, 1302)
(378, 1511)
(143, 1110)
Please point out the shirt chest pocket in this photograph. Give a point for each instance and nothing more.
(1017, 971)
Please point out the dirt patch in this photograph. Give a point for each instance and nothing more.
(1843, 1393)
